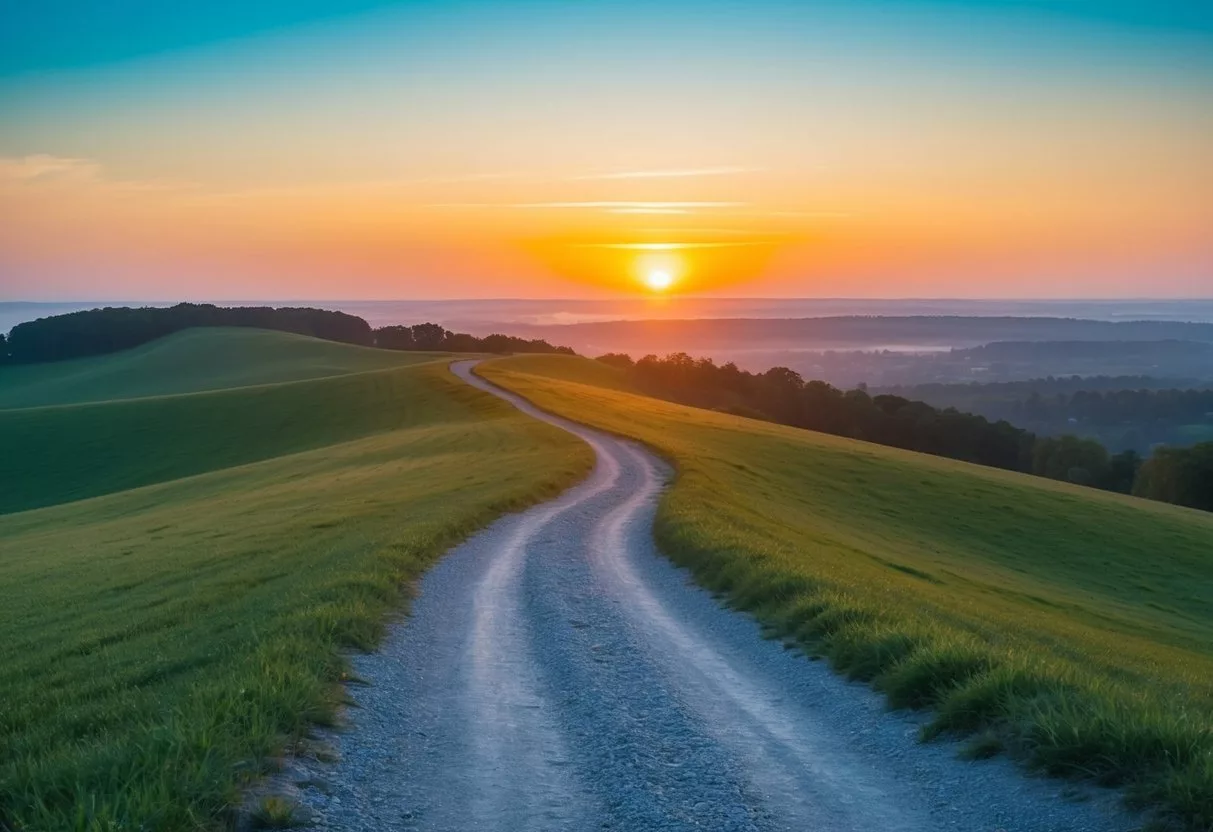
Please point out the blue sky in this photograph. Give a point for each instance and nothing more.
(361, 148)
(41, 35)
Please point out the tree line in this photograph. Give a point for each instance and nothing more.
(1178, 475)
(100, 331)
(433, 338)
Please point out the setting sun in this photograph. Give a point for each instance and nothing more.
(659, 280)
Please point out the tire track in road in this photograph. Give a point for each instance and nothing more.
(751, 719)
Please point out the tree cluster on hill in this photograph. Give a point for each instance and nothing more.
(100, 331)
(1179, 475)
(1183, 476)
(433, 338)
(781, 395)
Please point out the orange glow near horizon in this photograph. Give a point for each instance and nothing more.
(370, 240)
(334, 164)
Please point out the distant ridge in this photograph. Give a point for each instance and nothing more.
(856, 331)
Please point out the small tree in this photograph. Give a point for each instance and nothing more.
(395, 338)
(429, 336)
(617, 359)
(1179, 475)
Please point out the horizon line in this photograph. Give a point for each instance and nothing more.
(668, 298)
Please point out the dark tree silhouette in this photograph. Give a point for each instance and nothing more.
(434, 338)
(1179, 475)
(395, 338)
(782, 395)
(617, 359)
(99, 331)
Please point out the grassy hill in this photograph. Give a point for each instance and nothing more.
(159, 643)
(1069, 626)
(189, 362)
(66, 452)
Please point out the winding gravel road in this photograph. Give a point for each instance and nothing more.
(556, 673)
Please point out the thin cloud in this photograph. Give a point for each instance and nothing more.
(602, 205)
(468, 177)
(61, 173)
(670, 173)
(673, 246)
(43, 167)
(647, 211)
(721, 232)
(815, 215)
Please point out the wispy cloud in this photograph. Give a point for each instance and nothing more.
(671, 173)
(674, 246)
(648, 211)
(467, 177)
(809, 215)
(62, 174)
(719, 232)
(600, 205)
(44, 167)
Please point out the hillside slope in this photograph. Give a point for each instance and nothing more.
(1072, 625)
(159, 644)
(188, 362)
(65, 452)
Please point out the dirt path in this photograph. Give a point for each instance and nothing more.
(556, 673)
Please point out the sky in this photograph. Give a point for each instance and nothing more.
(364, 149)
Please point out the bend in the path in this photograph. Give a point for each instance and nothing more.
(808, 768)
(558, 673)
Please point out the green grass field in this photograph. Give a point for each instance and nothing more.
(190, 362)
(69, 452)
(1068, 626)
(158, 644)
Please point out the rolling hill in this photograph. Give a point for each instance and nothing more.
(62, 452)
(1069, 626)
(189, 362)
(174, 613)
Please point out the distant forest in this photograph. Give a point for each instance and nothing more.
(858, 332)
(1176, 475)
(100, 331)
(1121, 412)
(1182, 363)
(434, 338)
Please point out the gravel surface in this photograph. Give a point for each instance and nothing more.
(556, 673)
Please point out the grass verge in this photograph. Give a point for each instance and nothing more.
(1069, 626)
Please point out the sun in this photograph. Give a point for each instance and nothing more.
(659, 280)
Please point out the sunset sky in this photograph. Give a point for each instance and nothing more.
(324, 149)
